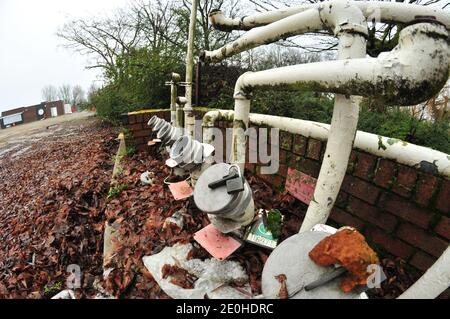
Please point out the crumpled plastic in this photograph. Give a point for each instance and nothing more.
(213, 275)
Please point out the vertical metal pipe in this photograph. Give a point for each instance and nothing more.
(198, 80)
(189, 121)
(173, 104)
(340, 141)
(434, 282)
(175, 78)
(240, 125)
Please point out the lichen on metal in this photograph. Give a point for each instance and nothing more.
(414, 71)
(386, 11)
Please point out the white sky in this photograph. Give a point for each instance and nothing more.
(31, 55)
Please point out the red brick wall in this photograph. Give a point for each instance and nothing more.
(29, 114)
(136, 123)
(13, 111)
(59, 106)
(402, 211)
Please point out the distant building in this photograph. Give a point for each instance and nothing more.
(32, 113)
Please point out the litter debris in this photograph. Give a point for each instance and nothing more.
(211, 273)
(258, 234)
(348, 248)
(216, 270)
(65, 294)
(102, 293)
(176, 219)
(229, 292)
(181, 190)
(291, 259)
(300, 185)
(178, 276)
(147, 178)
(220, 246)
(283, 293)
(110, 236)
(153, 142)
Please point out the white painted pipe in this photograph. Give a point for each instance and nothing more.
(435, 280)
(297, 24)
(381, 11)
(175, 78)
(414, 71)
(188, 120)
(338, 15)
(381, 146)
(349, 24)
(181, 102)
(409, 74)
(209, 120)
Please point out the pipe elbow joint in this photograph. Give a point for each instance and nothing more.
(343, 16)
(222, 23)
(242, 91)
(418, 67)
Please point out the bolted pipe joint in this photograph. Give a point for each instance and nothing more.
(153, 120)
(343, 16)
(168, 134)
(187, 153)
(226, 211)
(156, 123)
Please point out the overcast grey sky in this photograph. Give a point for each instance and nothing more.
(31, 55)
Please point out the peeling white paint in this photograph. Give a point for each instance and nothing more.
(435, 280)
(401, 152)
(387, 12)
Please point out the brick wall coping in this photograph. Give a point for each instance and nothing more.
(204, 109)
(423, 158)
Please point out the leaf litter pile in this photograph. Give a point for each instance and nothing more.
(53, 208)
(51, 211)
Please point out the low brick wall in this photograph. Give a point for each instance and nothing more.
(403, 211)
(136, 123)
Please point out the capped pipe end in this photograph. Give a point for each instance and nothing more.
(181, 100)
(175, 77)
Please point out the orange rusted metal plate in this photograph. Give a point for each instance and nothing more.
(217, 244)
(300, 185)
(181, 190)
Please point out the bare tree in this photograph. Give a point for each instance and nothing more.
(104, 39)
(157, 23)
(210, 38)
(49, 93)
(78, 95)
(382, 36)
(91, 91)
(65, 93)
